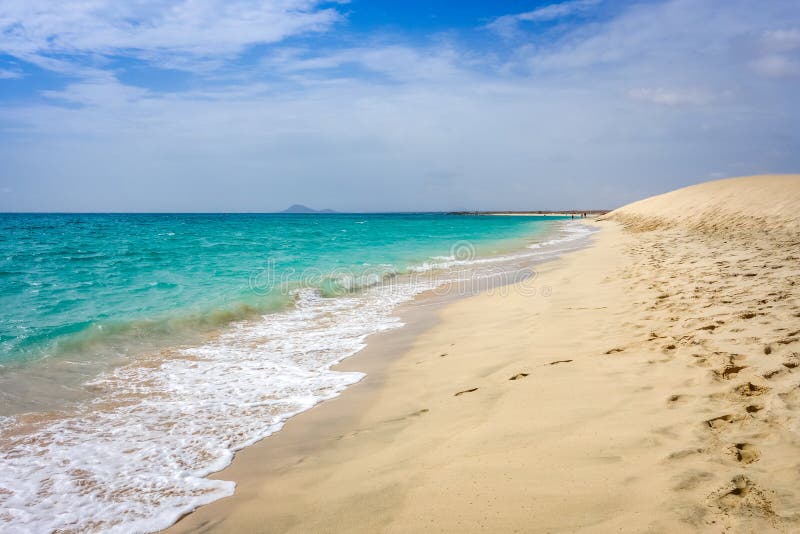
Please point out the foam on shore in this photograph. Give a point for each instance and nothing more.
(136, 458)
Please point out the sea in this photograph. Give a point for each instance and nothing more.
(139, 352)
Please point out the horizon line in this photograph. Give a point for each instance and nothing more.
(454, 212)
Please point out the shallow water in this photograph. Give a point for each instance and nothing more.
(167, 342)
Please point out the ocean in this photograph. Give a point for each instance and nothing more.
(138, 352)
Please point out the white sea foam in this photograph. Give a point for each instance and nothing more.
(136, 458)
(564, 239)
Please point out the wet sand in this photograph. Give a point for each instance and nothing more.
(650, 382)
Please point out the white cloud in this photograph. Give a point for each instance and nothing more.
(671, 97)
(395, 62)
(555, 11)
(782, 40)
(159, 30)
(108, 93)
(778, 53)
(6, 74)
(507, 25)
(777, 66)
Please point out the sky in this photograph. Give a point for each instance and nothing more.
(377, 105)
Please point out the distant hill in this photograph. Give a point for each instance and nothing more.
(299, 208)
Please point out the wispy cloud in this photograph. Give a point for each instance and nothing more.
(507, 25)
(782, 40)
(108, 93)
(6, 74)
(179, 31)
(671, 97)
(780, 54)
(777, 66)
(394, 62)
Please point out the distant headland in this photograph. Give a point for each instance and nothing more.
(299, 208)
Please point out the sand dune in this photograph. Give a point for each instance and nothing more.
(761, 203)
(648, 383)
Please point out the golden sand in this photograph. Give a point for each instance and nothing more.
(648, 383)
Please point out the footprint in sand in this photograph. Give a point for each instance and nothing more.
(518, 376)
(418, 413)
(776, 373)
(743, 497)
(465, 391)
(717, 423)
(685, 453)
(750, 390)
(754, 408)
(745, 453)
(674, 400)
(729, 371)
(559, 361)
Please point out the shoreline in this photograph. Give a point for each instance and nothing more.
(648, 382)
(309, 433)
(587, 214)
(309, 430)
(252, 395)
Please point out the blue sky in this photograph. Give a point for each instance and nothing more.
(252, 105)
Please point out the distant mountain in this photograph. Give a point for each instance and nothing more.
(299, 208)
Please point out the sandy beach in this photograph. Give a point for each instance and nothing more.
(647, 383)
(369, 266)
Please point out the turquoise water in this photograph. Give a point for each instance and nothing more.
(139, 352)
(88, 283)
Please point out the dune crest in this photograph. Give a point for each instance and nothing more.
(747, 204)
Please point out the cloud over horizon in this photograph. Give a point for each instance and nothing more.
(253, 105)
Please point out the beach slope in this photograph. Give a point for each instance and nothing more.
(766, 203)
(650, 382)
